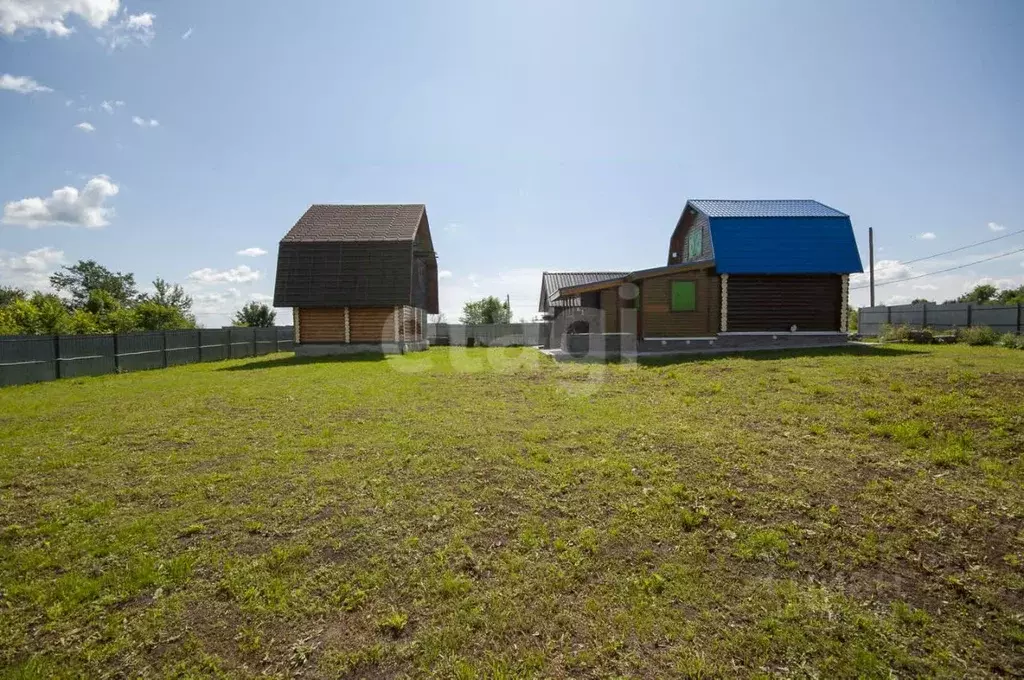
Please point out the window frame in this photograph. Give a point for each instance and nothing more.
(694, 236)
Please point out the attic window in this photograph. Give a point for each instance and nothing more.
(694, 244)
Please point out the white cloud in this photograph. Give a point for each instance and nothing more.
(996, 227)
(444, 274)
(86, 127)
(142, 122)
(885, 270)
(187, 34)
(939, 286)
(242, 274)
(251, 252)
(926, 236)
(110, 106)
(49, 15)
(452, 228)
(522, 286)
(261, 297)
(21, 84)
(133, 28)
(67, 206)
(30, 270)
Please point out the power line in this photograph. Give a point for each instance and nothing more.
(956, 250)
(941, 271)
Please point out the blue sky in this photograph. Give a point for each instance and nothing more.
(541, 135)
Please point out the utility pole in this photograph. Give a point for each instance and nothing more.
(871, 262)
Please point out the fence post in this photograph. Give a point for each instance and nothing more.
(1018, 318)
(277, 339)
(924, 315)
(163, 353)
(888, 315)
(969, 308)
(56, 356)
(254, 342)
(117, 357)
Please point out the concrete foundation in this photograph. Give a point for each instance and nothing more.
(328, 349)
(616, 346)
(609, 345)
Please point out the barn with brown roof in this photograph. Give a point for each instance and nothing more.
(358, 278)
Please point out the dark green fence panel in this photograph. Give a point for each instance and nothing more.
(285, 338)
(182, 347)
(27, 359)
(37, 358)
(140, 351)
(213, 345)
(1000, 318)
(265, 340)
(242, 342)
(86, 355)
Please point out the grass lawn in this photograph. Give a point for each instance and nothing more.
(487, 513)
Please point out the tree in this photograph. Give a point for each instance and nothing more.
(79, 280)
(258, 314)
(981, 294)
(170, 295)
(919, 301)
(51, 314)
(10, 294)
(150, 315)
(1011, 296)
(486, 311)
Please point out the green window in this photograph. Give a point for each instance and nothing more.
(684, 296)
(694, 244)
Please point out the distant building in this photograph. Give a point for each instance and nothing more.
(359, 278)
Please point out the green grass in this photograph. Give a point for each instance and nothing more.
(488, 513)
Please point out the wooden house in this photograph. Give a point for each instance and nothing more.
(358, 278)
(734, 268)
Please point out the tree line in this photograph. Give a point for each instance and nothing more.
(985, 294)
(90, 298)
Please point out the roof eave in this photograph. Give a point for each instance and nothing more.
(633, 276)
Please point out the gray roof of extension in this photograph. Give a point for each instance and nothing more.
(552, 282)
(331, 223)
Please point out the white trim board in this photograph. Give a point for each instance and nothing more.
(783, 333)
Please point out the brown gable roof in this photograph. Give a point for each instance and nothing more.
(356, 223)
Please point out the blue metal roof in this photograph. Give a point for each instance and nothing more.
(787, 208)
(780, 237)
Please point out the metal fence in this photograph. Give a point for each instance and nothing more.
(1001, 318)
(35, 358)
(498, 334)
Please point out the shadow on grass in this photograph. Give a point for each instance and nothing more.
(258, 365)
(776, 354)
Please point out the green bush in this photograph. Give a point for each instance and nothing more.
(978, 335)
(891, 333)
(1012, 341)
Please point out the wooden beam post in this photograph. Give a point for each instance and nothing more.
(348, 328)
(56, 356)
(871, 261)
(844, 314)
(725, 304)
